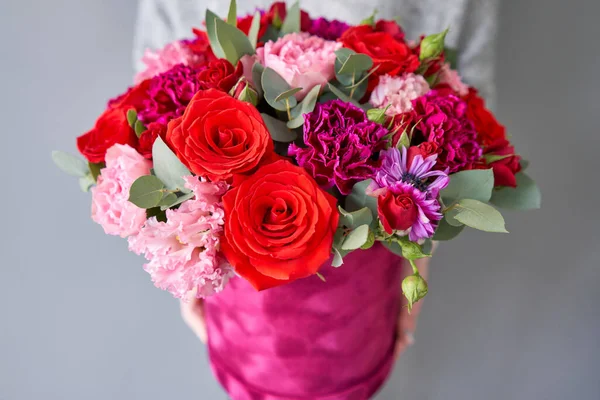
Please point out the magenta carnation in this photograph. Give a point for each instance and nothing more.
(442, 119)
(329, 30)
(341, 145)
(169, 94)
(183, 253)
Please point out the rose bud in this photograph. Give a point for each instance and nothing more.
(414, 288)
(245, 92)
(397, 212)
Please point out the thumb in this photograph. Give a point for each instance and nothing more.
(192, 312)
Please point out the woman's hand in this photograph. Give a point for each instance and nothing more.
(192, 312)
(407, 323)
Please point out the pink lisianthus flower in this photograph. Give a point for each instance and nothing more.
(451, 78)
(162, 60)
(301, 59)
(110, 206)
(398, 92)
(183, 253)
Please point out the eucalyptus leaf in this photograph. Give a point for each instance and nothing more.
(356, 238)
(167, 167)
(139, 128)
(273, 85)
(524, 164)
(257, 71)
(354, 219)
(450, 215)
(156, 212)
(131, 117)
(86, 182)
(292, 19)
(211, 30)
(179, 200)
(254, 29)
(341, 95)
(70, 164)
(278, 129)
(287, 94)
(451, 56)
(526, 196)
(146, 191)
(358, 198)
(305, 107)
(394, 247)
(446, 231)
(232, 14)
(168, 199)
(338, 257)
(270, 35)
(355, 64)
(234, 42)
(480, 216)
(474, 184)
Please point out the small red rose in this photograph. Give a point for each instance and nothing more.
(111, 128)
(507, 163)
(219, 74)
(396, 211)
(487, 127)
(425, 150)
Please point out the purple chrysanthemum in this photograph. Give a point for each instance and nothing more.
(169, 94)
(441, 119)
(341, 145)
(395, 170)
(329, 30)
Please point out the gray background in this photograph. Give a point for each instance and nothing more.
(508, 316)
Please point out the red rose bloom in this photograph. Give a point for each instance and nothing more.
(200, 46)
(390, 27)
(279, 225)
(244, 24)
(425, 150)
(487, 127)
(396, 211)
(111, 128)
(219, 136)
(390, 56)
(219, 74)
(147, 138)
(504, 168)
(279, 9)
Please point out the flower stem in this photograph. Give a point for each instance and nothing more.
(289, 111)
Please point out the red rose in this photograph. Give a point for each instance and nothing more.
(133, 98)
(278, 9)
(147, 138)
(425, 150)
(219, 74)
(504, 168)
(111, 128)
(487, 127)
(244, 24)
(219, 136)
(279, 225)
(390, 27)
(396, 211)
(200, 46)
(390, 56)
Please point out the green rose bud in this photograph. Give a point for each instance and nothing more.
(244, 92)
(432, 45)
(414, 288)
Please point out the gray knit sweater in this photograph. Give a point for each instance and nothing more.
(472, 25)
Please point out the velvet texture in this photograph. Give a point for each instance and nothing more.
(309, 340)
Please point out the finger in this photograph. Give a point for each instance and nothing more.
(192, 312)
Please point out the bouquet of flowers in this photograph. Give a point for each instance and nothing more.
(269, 145)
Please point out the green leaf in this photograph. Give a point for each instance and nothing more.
(394, 247)
(168, 200)
(278, 129)
(480, 216)
(341, 95)
(354, 219)
(451, 56)
(234, 42)
(338, 257)
(249, 95)
(211, 30)
(274, 85)
(232, 14)
(305, 107)
(474, 184)
(356, 238)
(411, 250)
(254, 29)
(404, 141)
(526, 196)
(95, 169)
(358, 198)
(292, 19)
(167, 167)
(445, 231)
(271, 34)
(369, 20)
(86, 182)
(370, 241)
(450, 217)
(432, 46)
(156, 212)
(139, 128)
(287, 94)
(377, 114)
(257, 72)
(146, 191)
(180, 200)
(355, 64)
(341, 57)
(490, 158)
(70, 164)
(524, 164)
(131, 117)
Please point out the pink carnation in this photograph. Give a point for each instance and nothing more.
(450, 77)
(110, 207)
(183, 253)
(162, 60)
(398, 92)
(301, 59)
